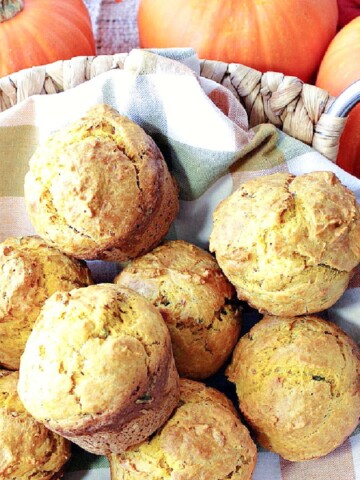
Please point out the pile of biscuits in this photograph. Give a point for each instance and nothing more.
(120, 368)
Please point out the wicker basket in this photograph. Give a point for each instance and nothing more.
(303, 111)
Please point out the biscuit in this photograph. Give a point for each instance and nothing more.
(196, 301)
(28, 450)
(288, 244)
(100, 188)
(204, 439)
(98, 368)
(298, 384)
(30, 271)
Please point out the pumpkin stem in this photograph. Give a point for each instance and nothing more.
(10, 8)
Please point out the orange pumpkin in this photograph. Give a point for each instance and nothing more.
(289, 36)
(341, 67)
(37, 32)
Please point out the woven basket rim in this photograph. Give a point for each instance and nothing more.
(299, 109)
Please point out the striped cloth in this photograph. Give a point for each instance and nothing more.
(204, 135)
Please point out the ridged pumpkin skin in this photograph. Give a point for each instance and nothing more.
(288, 36)
(341, 67)
(43, 32)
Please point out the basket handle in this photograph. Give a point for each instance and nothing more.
(346, 101)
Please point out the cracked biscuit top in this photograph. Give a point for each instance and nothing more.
(298, 384)
(28, 450)
(196, 301)
(98, 358)
(100, 188)
(204, 438)
(288, 244)
(30, 271)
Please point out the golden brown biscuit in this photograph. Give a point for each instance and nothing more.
(100, 188)
(98, 368)
(28, 450)
(30, 271)
(204, 440)
(195, 299)
(298, 384)
(288, 244)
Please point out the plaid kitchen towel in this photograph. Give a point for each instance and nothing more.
(203, 132)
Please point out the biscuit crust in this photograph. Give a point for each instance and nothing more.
(100, 188)
(30, 271)
(197, 302)
(204, 439)
(288, 244)
(28, 450)
(98, 368)
(298, 384)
